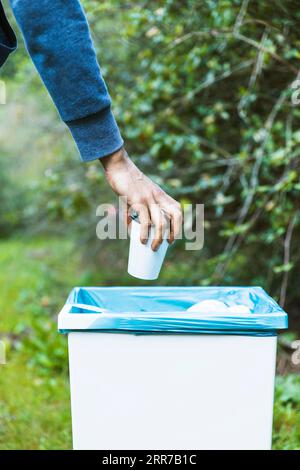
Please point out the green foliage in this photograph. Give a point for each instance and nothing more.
(34, 389)
(202, 93)
(11, 202)
(203, 96)
(286, 434)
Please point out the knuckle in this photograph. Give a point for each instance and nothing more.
(143, 201)
(157, 192)
(177, 205)
(178, 218)
(178, 209)
(178, 212)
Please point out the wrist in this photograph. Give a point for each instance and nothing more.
(113, 160)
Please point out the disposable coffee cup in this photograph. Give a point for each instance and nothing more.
(143, 262)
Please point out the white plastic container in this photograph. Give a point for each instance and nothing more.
(143, 262)
(170, 391)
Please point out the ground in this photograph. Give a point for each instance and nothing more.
(36, 276)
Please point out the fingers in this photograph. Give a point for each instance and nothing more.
(175, 214)
(159, 222)
(164, 214)
(144, 219)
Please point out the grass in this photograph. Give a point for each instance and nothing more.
(34, 392)
(286, 428)
(34, 411)
(36, 277)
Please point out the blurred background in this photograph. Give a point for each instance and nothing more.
(202, 91)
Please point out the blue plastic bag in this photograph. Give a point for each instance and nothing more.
(164, 310)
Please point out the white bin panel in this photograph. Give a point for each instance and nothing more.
(171, 391)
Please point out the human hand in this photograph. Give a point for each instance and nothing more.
(144, 197)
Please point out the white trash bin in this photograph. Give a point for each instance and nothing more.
(147, 374)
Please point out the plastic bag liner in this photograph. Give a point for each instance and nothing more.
(163, 310)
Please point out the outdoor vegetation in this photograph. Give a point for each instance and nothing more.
(202, 91)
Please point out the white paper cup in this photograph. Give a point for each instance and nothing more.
(143, 262)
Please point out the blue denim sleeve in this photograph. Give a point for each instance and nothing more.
(8, 40)
(58, 39)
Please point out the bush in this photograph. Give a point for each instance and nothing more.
(202, 93)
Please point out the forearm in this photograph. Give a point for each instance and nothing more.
(57, 37)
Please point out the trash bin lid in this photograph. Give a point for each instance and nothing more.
(164, 310)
